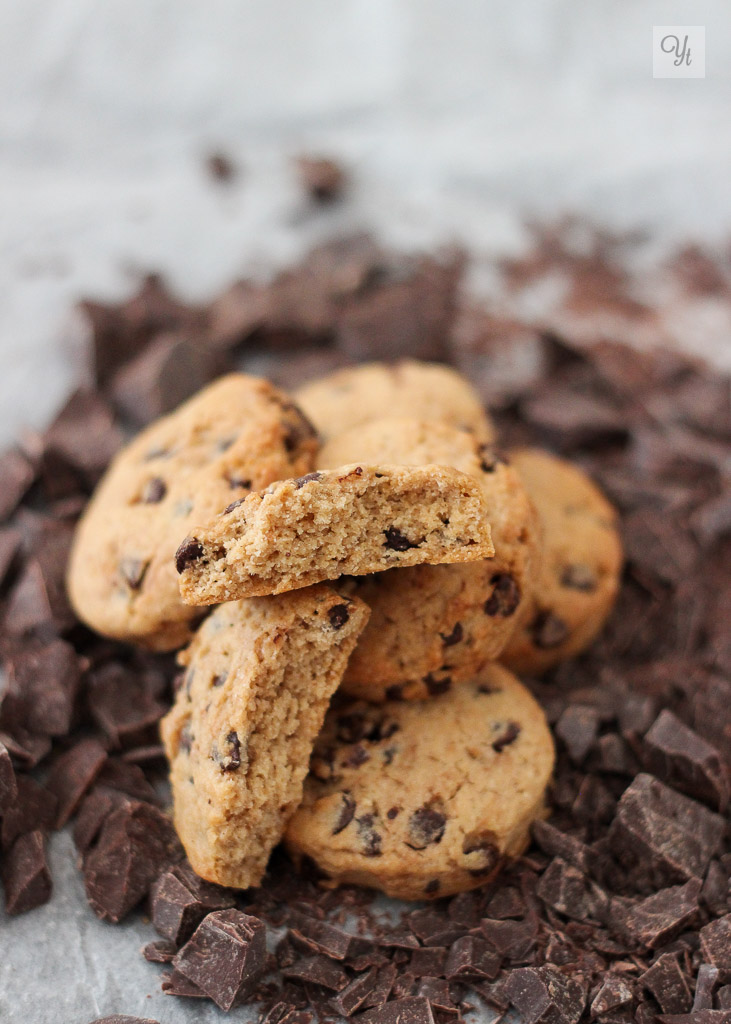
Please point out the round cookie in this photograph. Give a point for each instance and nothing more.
(238, 434)
(360, 394)
(423, 800)
(432, 625)
(581, 563)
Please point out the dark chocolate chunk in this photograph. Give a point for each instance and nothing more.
(176, 984)
(94, 811)
(545, 994)
(34, 807)
(188, 552)
(569, 891)
(73, 774)
(548, 630)
(46, 679)
(427, 962)
(433, 929)
(508, 735)
(124, 704)
(345, 814)
(25, 873)
(578, 727)
(160, 952)
(615, 994)
(505, 596)
(136, 843)
(472, 957)
(661, 836)
(705, 986)
(668, 984)
(225, 957)
(320, 937)
(10, 541)
(454, 637)
(716, 946)
(396, 541)
(8, 785)
(426, 827)
(16, 476)
(657, 919)
(318, 970)
(179, 903)
(380, 992)
(686, 761)
(409, 1010)
(511, 939)
(338, 615)
(352, 997)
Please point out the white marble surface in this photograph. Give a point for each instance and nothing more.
(458, 119)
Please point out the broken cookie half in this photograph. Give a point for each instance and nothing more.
(258, 680)
(354, 520)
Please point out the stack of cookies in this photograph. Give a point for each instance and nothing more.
(353, 599)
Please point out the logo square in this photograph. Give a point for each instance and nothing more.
(679, 51)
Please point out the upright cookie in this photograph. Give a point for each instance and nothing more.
(422, 800)
(352, 520)
(578, 580)
(259, 677)
(238, 434)
(427, 391)
(432, 625)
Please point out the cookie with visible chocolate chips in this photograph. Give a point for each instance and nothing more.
(237, 435)
(360, 394)
(355, 519)
(432, 625)
(422, 800)
(258, 678)
(581, 564)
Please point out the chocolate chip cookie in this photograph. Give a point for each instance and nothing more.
(238, 434)
(259, 677)
(422, 800)
(432, 625)
(351, 520)
(580, 568)
(427, 391)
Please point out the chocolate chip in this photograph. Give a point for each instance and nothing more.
(483, 844)
(370, 839)
(454, 637)
(396, 541)
(154, 491)
(219, 679)
(505, 596)
(25, 874)
(426, 827)
(345, 814)
(186, 739)
(338, 615)
(579, 577)
(392, 813)
(189, 551)
(133, 571)
(229, 508)
(308, 478)
(231, 760)
(509, 735)
(357, 756)
(436, 686)
(225, 957)
(548, 630)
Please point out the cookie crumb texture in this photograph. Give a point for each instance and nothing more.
(466, 613)
(349, 521)
(360, 394)
(237, 435)
(426, 799)
(581, 564)
(258, 679)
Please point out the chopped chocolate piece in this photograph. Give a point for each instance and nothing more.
(46, 679)
(179, 904)
(511, 939)
(321, 937)
(428, 961)
(398, 938)
(410, 1010)
(436, 990)
(505, 596)
(93, 812)
(225, 957)
(380, 992)
(160, 952)
(321, 178)
(668, 984)
(352, 997)
(560, 844)
(686, 761)
(578, 727)
(545, 994)
(723, 997)
(655, 920)
(426, 827)
(136, 843)
(16, 476)
(8, 785)
(10, 541)
(123, 706)
(79, 443)
(433, 928)
(471, 957)
(715, 891)
(73, 774)
(716, 946)
(506, 903)
(25, 873)
(29, 608)
(697, 1017)
(573, 422)
(566, 889)
(704, 987)
(34, 807)
(661, 836)
(176, 984)
(614, 994)
(318, 970)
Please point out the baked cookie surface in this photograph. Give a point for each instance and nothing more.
(359, 394)
(259, 677)
(581, 564)
(422, 800)
(238, 434)
(351, 520)
(432, 625)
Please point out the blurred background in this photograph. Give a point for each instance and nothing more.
(460, 121)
